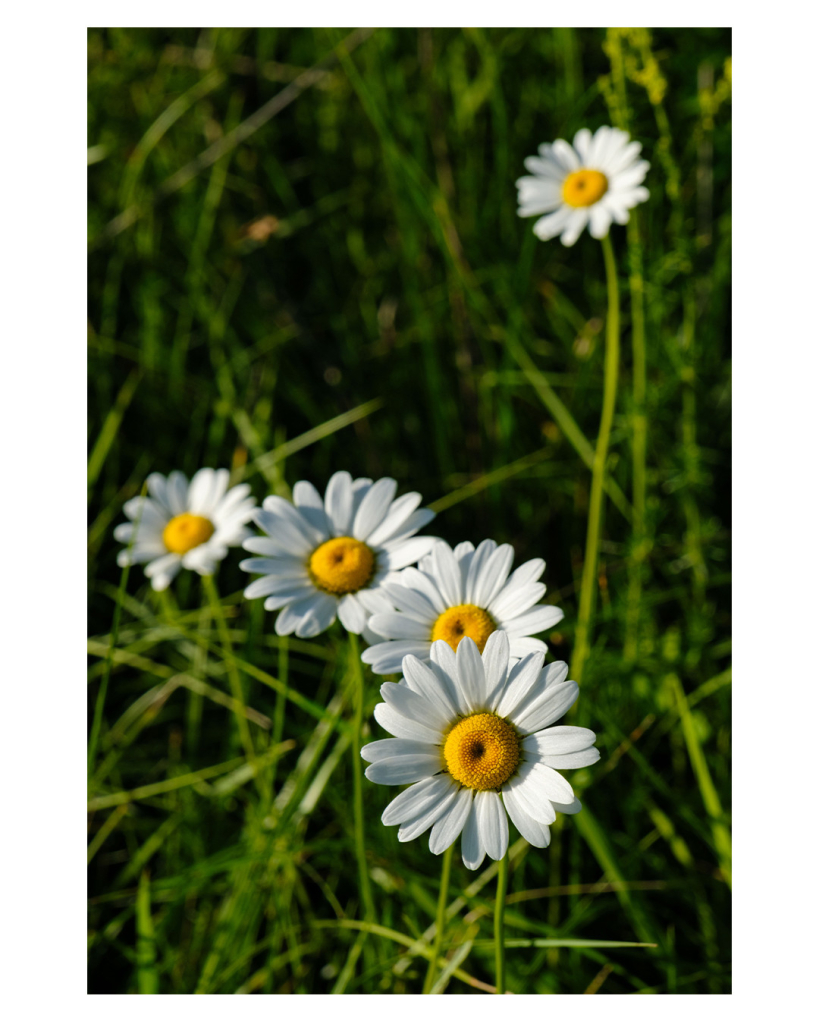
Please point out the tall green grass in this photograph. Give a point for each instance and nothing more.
(342, 282)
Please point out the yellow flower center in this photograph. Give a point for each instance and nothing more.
(342, 565)
(185, 532)
(482, 751)
(584, 187)
(464, 620)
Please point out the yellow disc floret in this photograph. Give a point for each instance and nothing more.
(584, 187)
(342, 565)
(482, 751)
(464, 620)
(186, 532)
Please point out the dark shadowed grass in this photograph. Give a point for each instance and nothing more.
(348, 286)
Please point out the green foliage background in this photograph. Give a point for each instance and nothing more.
(362, 244)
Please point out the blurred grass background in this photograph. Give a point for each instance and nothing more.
(345, 263)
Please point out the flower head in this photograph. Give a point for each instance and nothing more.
(467, 592)
(329, 557)
(472, 736)
(183, 525)
(593, 182)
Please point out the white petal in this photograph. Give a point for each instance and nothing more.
(284, 568)
(447, 574)
(162, 565)
(450, 825)
(308, 501)
(380, 750)
(579, 759)
(565, 155)
(412, 524)
(399, 511)
(560, 739)
(351, 613)
(267, 546)
(541, 617)
(291, 539)
(530, 795)
(547, 781)
(578, 219)
(291, 617)
(415, 706)
(496, 666)
(387, 657)
(274, 584)
(520, 646)
(416, 800)
(472, 849)
(338, 502)
(375, 600)
(533, 831)
(176, 492)
(523, 677)
(404, 728)
(552, 224)
(492, 823)
(411, 602)
(374, 507)
(422, 679)
(396, 771)
(546, 708)
(471, 676)
(412, 829)
(199, 492)
(573, 808)
(406, 552)
(158, 489)
(298, 592)
(396, 626)
(599, 221)
(414, 579)
(623, 158)
(513, 603)
(493, 575)
(581, 143)
(482, 554)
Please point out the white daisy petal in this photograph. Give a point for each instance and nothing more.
(482, 554)
(407, 551)
(399, 511)
(386, 658)
(396, 771)
(450, 825)
(416, 800)
(309, 503)
(546, 708)
(415, 580)
(338, 502)
(542, 617)
(298, 592)
(319, 614)
(293, 540)
(493, 575)
(352, 614)
(533, 831)
(496, 665)
(412, 603)
(573, 808)
(472, 849)
(417, 826)
(415, 706)
(417, 520)
(399, 627)
(565, 155)
(492, 824)
(580, 759)
(560, 739)
(471, 675)
(552, 224)
(578, 219)
(599, 221)
(157, 488)
(424, 681)
(582, 141)
(520, 646)
(447, 574)
(530, 795)
(381, 749)
(291, 615)
(523, 678)
(176, 492)
(513, 603)
(374, 507)
(404, 728)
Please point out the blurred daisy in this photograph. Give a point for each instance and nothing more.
(183, 525)
(472, 736)
(593, 182)
(467, 592)
(330, 557)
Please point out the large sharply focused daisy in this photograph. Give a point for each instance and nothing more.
(330, 557)
(593, 182)
(467, 592)
(472, 734)
(184, 526)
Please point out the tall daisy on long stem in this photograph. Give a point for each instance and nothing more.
(592, 183)
(329, 557)
(474, 735)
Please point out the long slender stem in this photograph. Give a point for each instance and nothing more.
(233, 675)
(358, 775)
(500, 907)
(440, 919)
(589, 580)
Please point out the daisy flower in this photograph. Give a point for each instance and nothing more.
(330, 557)
(594, 181)
(467, 592)
(472, 734)
(184, 525)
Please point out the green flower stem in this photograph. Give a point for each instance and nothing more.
(358, 775)
(500, 907)
(589, 579)
(232, 671)
(440, 919)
